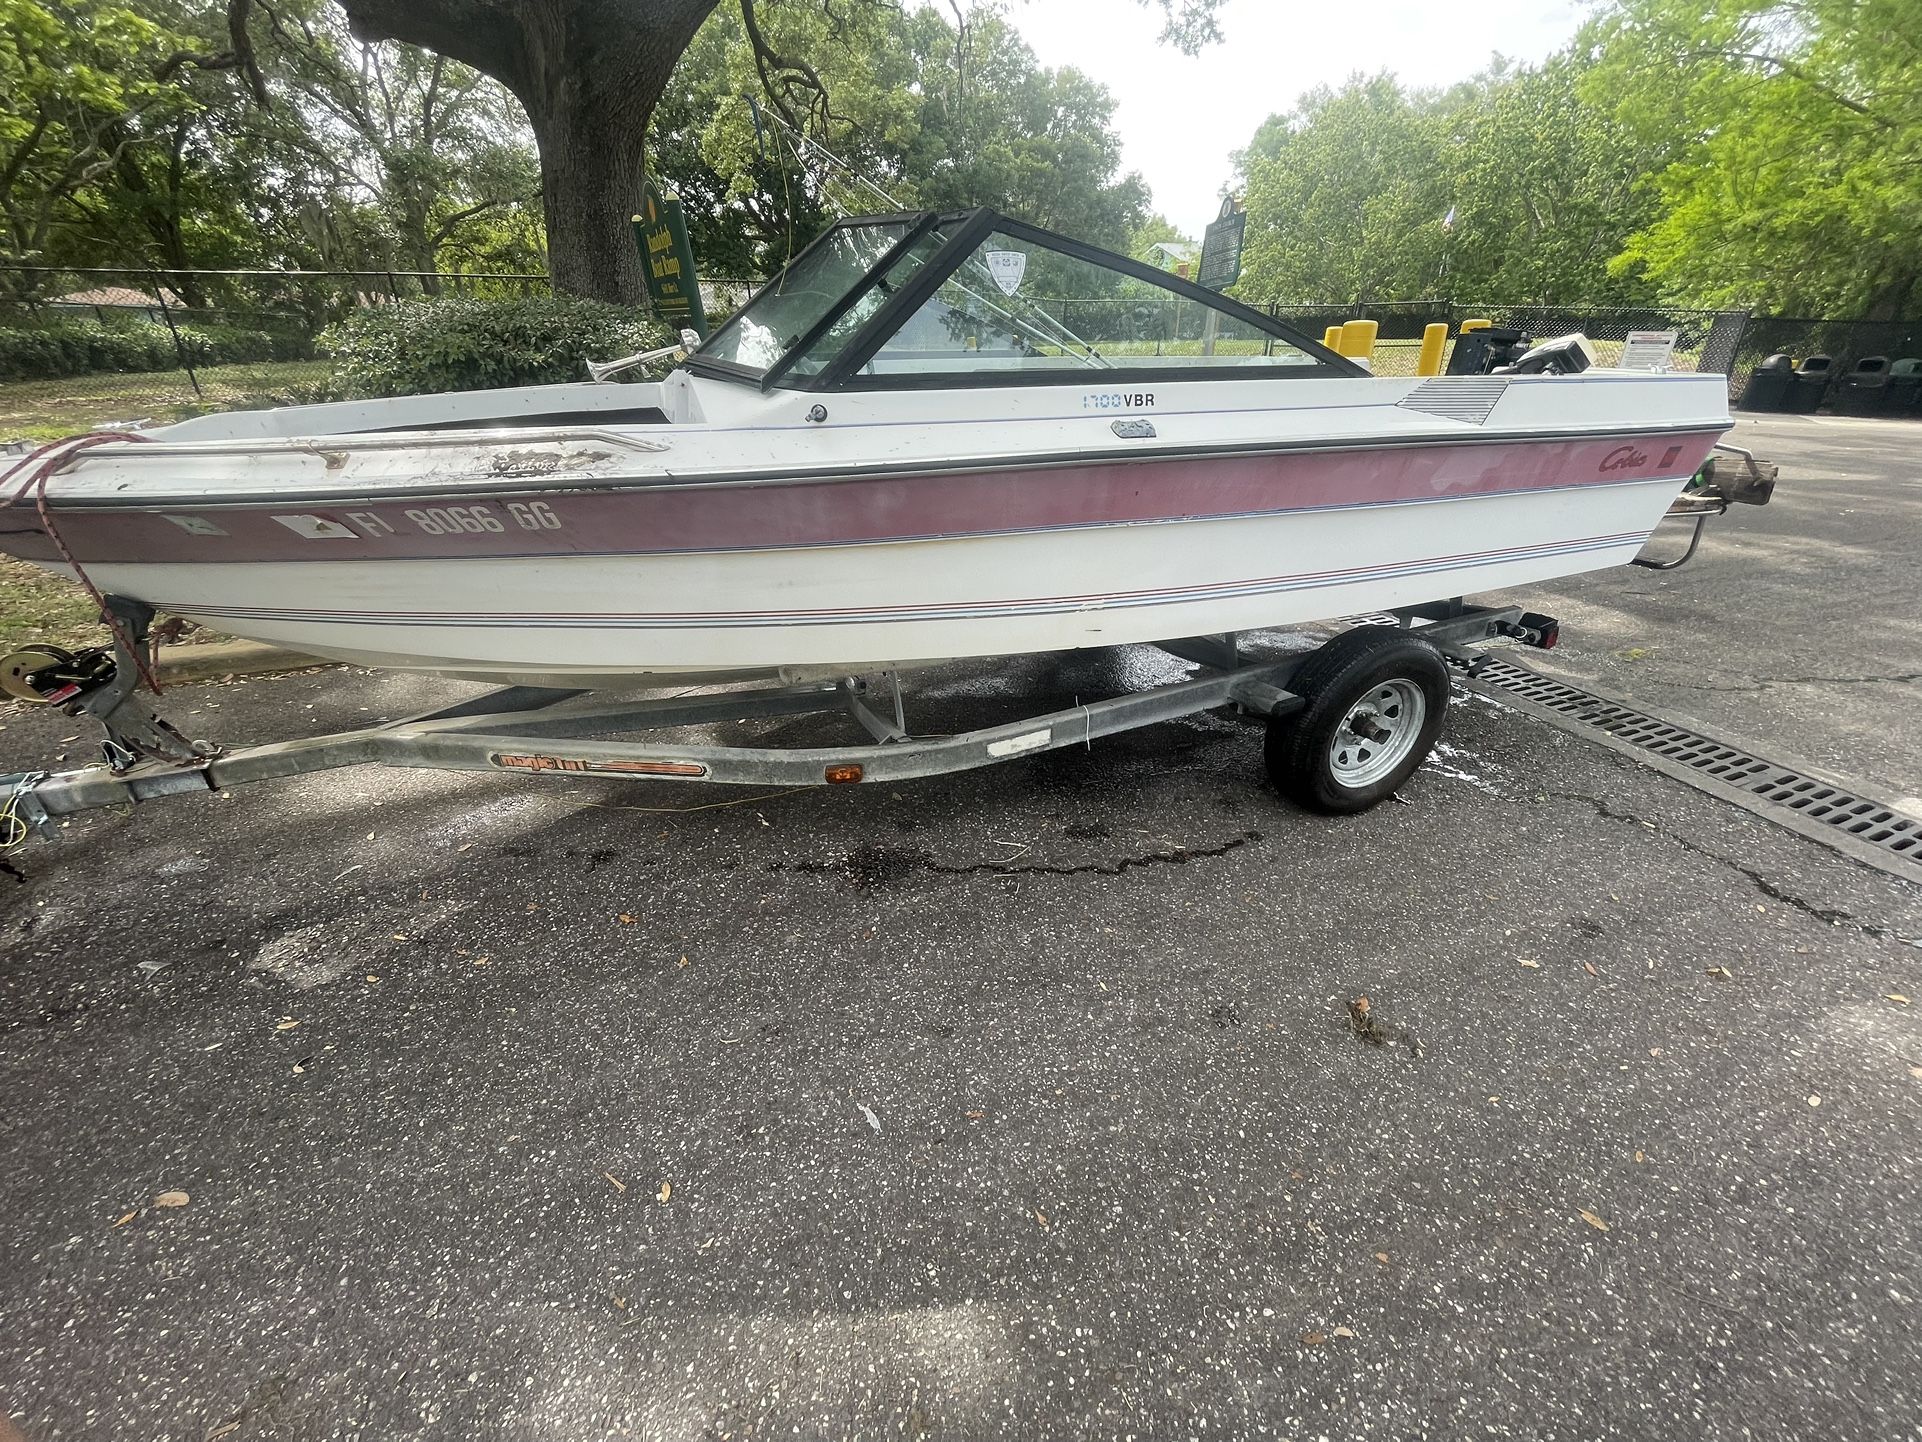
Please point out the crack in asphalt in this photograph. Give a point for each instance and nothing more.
(1764, 683)
(1904, 678)
(1830, 916)
(876, 865)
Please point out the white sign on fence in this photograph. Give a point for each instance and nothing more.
(1648, 350)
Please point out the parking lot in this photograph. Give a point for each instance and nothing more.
(1025, 1103)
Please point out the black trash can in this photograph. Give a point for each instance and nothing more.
(1904, 394)
(1768, 385)
(1864, 390)
(1811, 384)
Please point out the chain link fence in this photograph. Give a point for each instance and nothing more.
(1729, 342)
(1707, 340)
(84, 348)
(91, 347)
(1844, 341)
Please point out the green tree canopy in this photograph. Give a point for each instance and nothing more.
(1512, 186)
(933, 113)
(1792, 132)
(82, 83)
(1345, 197)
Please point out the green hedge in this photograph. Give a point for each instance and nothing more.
(50, 348)
(457, 343)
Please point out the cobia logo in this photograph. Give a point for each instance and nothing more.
(1623, 458)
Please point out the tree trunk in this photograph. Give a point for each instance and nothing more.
(160, 212)
(593, 160)
(588, 73)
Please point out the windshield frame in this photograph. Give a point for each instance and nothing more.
(966, 230)
(916, 223)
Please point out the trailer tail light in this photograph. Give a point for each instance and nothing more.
(843, 773)
(1532, 628)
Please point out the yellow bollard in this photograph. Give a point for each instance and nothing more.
(1434, 339)
(1469, 325)
(1332, 338)
(1358, 340)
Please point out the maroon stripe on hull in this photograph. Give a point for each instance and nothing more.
(738, 516)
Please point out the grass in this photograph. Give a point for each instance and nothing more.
(47, 410)
(37, 607)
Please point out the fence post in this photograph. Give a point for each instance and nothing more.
(1724, 339)
(180, 346)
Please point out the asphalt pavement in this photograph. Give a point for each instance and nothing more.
(1798, 625)
(1020, 1104)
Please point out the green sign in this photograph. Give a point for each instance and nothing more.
(1221, 248)
(661, 232)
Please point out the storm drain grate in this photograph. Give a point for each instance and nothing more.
(1831, 807)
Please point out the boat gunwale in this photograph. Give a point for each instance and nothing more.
(560, 481)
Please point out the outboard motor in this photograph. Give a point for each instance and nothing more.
(1481, 352)
(1566, 355)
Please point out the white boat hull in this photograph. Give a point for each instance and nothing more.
(914, 527)
(856, 607)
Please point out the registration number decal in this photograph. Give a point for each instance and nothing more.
(461, 520)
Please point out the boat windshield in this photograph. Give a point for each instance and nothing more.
(1009, 302)
(1016, 304)
(796, 301)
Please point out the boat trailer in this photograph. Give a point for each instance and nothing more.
(545, 731)
(1347, 722)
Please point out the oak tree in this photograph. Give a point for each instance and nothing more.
(589, 74)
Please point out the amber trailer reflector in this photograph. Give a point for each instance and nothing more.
(840, 775)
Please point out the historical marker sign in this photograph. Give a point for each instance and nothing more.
(1221, 248)
(661, 232)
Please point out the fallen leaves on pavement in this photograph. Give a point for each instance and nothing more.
(1363, 1022)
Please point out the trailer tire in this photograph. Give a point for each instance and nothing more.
(1376, 697)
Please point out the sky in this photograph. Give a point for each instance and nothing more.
(1180, 119)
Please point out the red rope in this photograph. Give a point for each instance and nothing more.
(41, 466)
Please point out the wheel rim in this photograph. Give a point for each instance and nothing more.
(1378, 733)
(15, 668)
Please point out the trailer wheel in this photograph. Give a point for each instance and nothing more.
(1375, 702)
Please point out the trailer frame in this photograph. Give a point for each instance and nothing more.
(534, 730)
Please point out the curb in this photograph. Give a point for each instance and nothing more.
(216, 660)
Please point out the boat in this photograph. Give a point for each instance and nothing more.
(931, 436)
